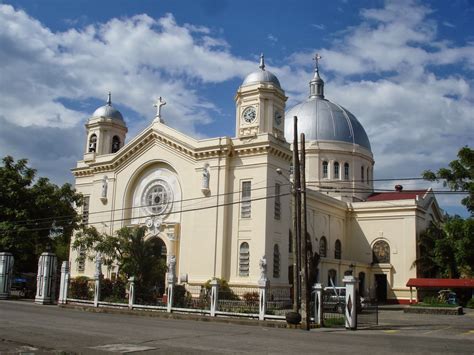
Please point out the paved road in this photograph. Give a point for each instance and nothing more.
(30, 328)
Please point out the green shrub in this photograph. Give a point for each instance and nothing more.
(113, 290)
(79, 288)
(180, 296)
(225, 292)
(470, 303)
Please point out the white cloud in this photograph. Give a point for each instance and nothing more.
(416, 117)
(319, 26)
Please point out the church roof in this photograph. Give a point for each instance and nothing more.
(261, 75)
(396, 195)
(322, 120)
(108, 111)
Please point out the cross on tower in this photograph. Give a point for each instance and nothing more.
(316, 59)
(160, 102)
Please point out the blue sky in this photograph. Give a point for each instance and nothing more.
(404, 68)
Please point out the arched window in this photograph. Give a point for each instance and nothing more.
(346, 171)
(368, 176)
(337, 249)
(361, 284)
(325, 169)
(336, 170)
(323, 247)
(381, 252)
(244, 259)
(332, 277)
(93, 143)
(115, 144)
(276, 261)
(362, 173)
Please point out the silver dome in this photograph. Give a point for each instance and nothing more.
(108, 111)
(261, 75)
(320, 119)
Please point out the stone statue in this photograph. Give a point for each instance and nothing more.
(205, 178)
(104, 187)
(263, 268)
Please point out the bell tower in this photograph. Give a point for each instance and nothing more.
(106, 131)
(260, 104)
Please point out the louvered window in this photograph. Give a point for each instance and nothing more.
(246, 203)
(276, 261)
(85, 210)
(277, 202)
(244, 259)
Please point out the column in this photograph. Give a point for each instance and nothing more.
(351, 302)
(46, 279)
(63, 288)
(318, 304)
(263, 283)
(6, 269)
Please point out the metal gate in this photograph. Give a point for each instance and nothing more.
(333, 307)
(368, 315)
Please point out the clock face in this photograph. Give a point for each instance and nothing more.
(278, 117)
(249, 114)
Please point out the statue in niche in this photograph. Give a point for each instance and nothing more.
(103, 194)
(263, 268)
(205, 179)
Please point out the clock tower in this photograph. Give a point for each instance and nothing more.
(260, 104)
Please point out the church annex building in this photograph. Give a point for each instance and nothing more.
(219, 204)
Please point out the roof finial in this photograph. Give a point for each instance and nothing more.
(109, 99)
(316, 59)
(262, 62)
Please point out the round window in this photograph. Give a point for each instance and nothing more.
(157, 197)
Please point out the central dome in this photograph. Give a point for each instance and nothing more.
(261, 75)
(321, 120)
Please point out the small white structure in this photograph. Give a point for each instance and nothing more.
(6, 269)
(46, 279)
(64, 285)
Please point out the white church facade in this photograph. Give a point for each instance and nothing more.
(220, 204)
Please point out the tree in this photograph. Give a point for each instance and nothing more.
(35, 216)
(134, 254)
(447, 250)
(459, 176)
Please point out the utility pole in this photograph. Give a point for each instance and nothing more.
(305, 304)
(296, 235)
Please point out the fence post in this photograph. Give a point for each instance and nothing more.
(351, 302)
(318, 304)
(262, 285)
(46, 279)
(6, 269)
(64, 285)
(98, 279)
(214, 296)
(131, 292)
(171, 281)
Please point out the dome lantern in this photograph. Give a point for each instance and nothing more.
(316, 85)
(261, 76)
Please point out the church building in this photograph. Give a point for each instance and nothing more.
(220, 204)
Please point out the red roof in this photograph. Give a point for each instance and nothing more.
(441, 283)
(396, 195)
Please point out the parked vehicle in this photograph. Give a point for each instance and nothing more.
(334, 299)
(448, 296)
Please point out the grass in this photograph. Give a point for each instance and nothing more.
(334, 322)
(436, 305)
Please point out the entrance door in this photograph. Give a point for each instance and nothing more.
(381, 287)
